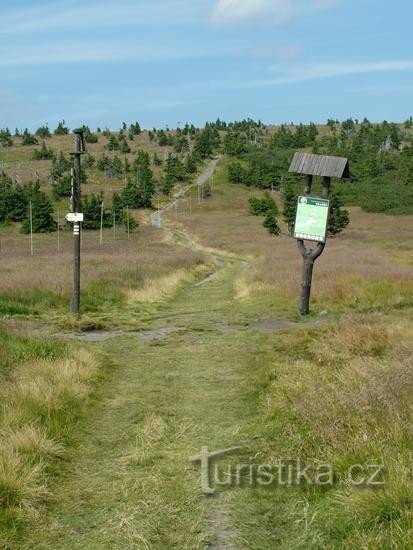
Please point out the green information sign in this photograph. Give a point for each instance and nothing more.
(311, 219)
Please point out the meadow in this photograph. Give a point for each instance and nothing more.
(337, 389)
(365, 268)
(229, 363)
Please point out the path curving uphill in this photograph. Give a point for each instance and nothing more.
(129, 483)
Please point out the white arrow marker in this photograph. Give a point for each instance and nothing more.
(74, 217)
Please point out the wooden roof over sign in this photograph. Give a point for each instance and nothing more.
(320, 165)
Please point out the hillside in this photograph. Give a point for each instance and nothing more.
(189, 338)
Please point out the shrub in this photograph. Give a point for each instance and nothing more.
(44, 153)
(270, 223)
(259, 206)
(42, 214)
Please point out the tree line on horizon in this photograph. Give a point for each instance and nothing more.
(380, 155)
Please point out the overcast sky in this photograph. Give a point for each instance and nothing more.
(168, 61)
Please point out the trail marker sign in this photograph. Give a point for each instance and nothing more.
(311, 219)
(312, 212)
(74, 217)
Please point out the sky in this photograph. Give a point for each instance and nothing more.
(167, 62)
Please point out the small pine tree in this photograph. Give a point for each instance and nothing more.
(60, 165)
(113, 143)
(117, 204)
(90, 137)
(43, 132)
(290, 206)
(339, 218)
(124, 147)
(259, 206)
(237, 173)
(13, 200)
(157, 161)
(129, 222)
(44, 153)
(190, 164)
(61, 129)
(63, 187)
(5, 139)
(42, 214)
(134, 129)
(270, 223)
(88, 161)
(162, 138)
(131, 194)
(92, 209)
(28, 138)
(166, 185)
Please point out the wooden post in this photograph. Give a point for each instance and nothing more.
(309, 257)
(101, 225)
(127, 221)
(326, 187)
(76, 206)
(308, 184)
(58, 230)
(31, 227)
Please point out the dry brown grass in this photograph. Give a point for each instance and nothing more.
(369, 263)
(342, 396)
(165, 287)
(40, 402)
(123, 264)
(120, 267)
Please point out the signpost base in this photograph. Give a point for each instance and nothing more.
(309, 257)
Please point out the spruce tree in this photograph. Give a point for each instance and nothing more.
(43, 132)
(270, 223)
(190, 164)
(290, 206)
(28, 138)
(13, 200)
(61, 129)
(131, 194)
(42, 213)
(338, 218)
(117, 204)
(63, 187)
(44, 153)
(92, 210)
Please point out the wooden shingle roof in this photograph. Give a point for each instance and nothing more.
(320, 165)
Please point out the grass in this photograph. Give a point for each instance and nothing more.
(357, 270)
(45, 388)
(341, 395)
(19, 160)
(111, 275)
(333, 389)
(16, 349)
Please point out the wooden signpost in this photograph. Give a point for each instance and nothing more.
(76, 217)
(313, 212)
